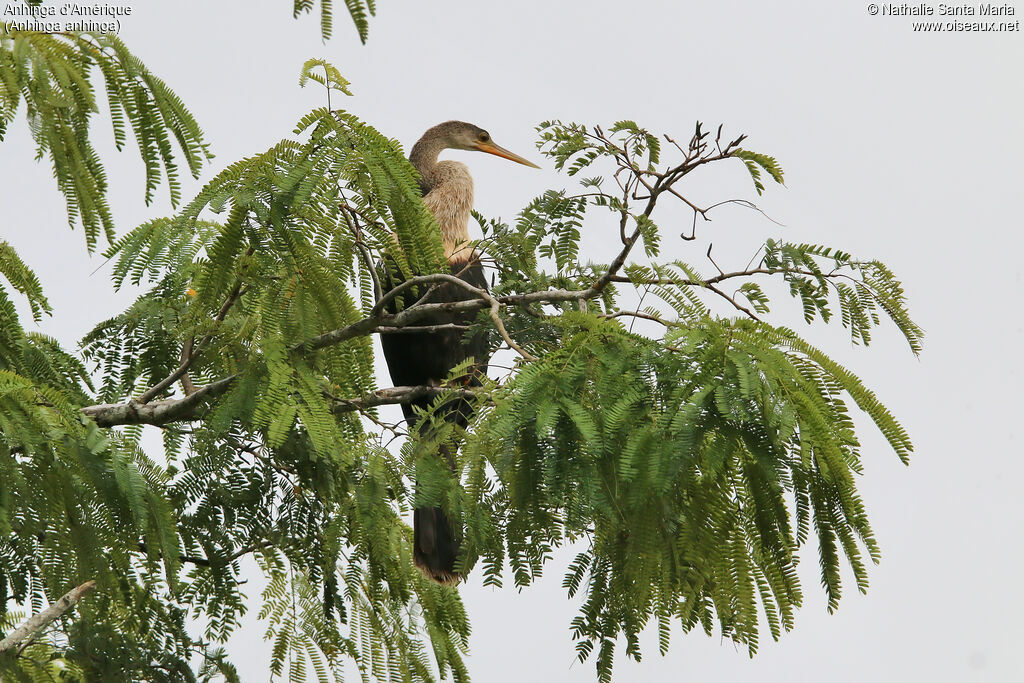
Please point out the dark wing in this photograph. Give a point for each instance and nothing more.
(418, 358)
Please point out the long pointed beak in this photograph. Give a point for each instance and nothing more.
(492, 148)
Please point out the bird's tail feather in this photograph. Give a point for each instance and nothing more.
(434, 545)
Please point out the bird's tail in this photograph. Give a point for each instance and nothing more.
(434, 545)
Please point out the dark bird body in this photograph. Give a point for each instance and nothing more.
(418, 358)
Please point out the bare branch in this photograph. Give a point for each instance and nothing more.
(736, 304)
(496, 319)
(186, 357)
(38, 622)
(724, 276)
(637, 314)
(393, 395)
(451, 279)
(412, 329)
(170, 410)
(156, 412)
(720, 271)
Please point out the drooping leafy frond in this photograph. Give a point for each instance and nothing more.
(359, 10)
(755, 163)
(77, 504)
(681, 465)
(23, 280)
(52, 74)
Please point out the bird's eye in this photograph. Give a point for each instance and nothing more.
(484, 137)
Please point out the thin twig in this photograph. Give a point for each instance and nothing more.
(364, 250)
(647, 290)
(479, 292)
(206, 562)
(739, 306)
(724, 276)
(720, 271)
(747, 204)
(636, 314)
(194, 352)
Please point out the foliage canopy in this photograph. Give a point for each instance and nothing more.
(691, 460)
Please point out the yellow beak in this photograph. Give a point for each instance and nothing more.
(492, 148)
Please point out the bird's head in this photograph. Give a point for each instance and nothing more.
(462, 135)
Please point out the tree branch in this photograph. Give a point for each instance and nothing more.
(412, 329)
(724, 276)
(732, 300)
(637, 314)
(156, 412)
(38, 622)
(188, 358)
(206, 562)
(196, 349)
(187, 408)
(170, 410)
(394, 395)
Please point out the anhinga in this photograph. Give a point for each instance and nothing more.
(425, 358)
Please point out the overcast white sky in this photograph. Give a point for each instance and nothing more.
(898, 145)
